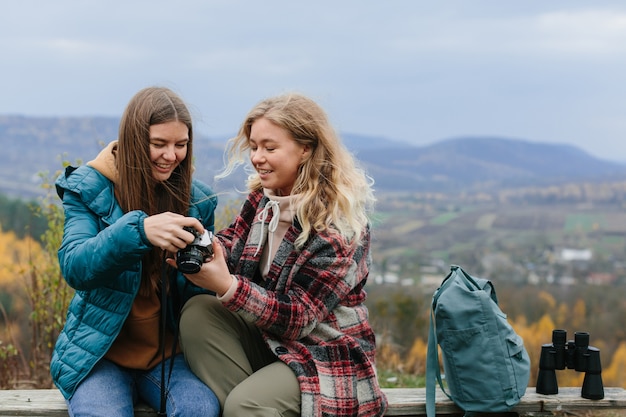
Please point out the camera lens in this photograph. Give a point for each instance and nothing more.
(189, 260)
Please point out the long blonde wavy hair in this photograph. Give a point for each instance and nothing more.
(333, 193)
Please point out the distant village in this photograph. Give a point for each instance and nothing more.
(566, 266)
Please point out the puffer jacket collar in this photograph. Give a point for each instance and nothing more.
(95, 191)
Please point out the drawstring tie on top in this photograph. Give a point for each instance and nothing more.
(273, 224)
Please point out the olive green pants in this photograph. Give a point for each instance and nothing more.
(230, 356)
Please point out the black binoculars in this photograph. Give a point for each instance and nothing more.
(571, 354)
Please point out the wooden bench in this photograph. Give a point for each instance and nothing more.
(409, 402)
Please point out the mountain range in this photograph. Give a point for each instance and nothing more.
(37, 146)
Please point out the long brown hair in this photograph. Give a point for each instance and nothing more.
(136, 188)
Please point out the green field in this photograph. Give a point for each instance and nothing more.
(526, 234)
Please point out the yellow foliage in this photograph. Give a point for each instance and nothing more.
(521, 321)
(548, 298)
(17, 256)
(570, 378)
(578, 314)
(416, 359)
(226, 212)
(562, 315)
(10, 333)
(614, 374)
(387, 357)
(544, 327)
(534, 335)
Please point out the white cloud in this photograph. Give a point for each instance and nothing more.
(575, 34)
(584, 32)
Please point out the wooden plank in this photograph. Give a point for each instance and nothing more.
(43, 403)
(412, 402)
(407, 402)
(569, 399)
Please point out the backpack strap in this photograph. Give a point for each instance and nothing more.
(433, 371)
(432, 358)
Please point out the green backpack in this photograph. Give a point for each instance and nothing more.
(485, 362)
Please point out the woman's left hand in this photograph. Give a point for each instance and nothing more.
(214, 274)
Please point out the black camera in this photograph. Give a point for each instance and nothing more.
(190, 259)
(571, 354)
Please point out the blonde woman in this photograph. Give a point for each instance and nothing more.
(288, 333)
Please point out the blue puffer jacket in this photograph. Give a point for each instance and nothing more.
(100, 257)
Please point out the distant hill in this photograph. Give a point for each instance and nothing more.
(32, 145)
(484, 163)
(35, 145)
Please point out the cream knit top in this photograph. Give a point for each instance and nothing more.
(283, 213)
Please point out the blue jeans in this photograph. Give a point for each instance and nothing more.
(112, 391)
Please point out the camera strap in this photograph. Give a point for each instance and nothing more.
(162, 408)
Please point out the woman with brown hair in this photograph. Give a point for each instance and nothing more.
(125, 212)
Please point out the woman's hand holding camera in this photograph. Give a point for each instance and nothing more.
(165, 230)
(214, 274)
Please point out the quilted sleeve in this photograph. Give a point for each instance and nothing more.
(91, 254)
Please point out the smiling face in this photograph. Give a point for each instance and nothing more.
(275, 155)
(168, 147)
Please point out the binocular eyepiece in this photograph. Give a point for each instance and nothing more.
(571, 354)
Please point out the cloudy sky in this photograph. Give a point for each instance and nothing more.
(417, 71)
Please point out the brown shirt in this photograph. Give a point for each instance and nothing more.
(137, 345)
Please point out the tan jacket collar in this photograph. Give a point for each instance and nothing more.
(105, 162)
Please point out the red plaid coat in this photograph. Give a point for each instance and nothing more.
(311, 313)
